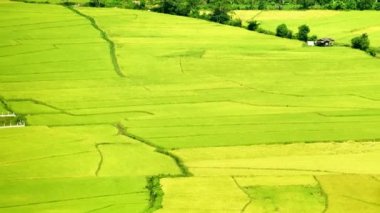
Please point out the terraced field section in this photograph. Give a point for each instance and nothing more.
(340, 25)
(50, 58)
(112, 97)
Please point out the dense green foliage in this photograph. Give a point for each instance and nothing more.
(278, 5)
(186, 7)
(365, 4)
(183, 8)
(361, 42)
(155, 193)
(377, 6)
(372, 51)
(253, 25)
(220, 15)
(283, 31)
(303, 32)
(235, 22)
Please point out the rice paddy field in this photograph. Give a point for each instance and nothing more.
(340, 25)
(226, 119)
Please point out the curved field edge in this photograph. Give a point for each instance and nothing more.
(311, 120)
(194, 93)
(294, 177)
(105, 37)
(75, 159)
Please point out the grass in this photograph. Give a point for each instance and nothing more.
(74, 163)
(294, 177)
(340, 25)
(3, 109)
(349, 193)
(190, 194)
(219, 101)
(300, 180)
(71, 156)
(285, 199)
(73, 194)
(123, 160)
(282, 193)
(245, 95)
(291, 159)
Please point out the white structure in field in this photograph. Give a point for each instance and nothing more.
(10, 115)
(311, 43)
(7, 115)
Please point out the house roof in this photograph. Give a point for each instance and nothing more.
(326, 39)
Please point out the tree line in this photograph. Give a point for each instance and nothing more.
(186, 7)
(220, 11)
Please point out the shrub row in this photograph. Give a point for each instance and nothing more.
(360, 42)
(181, 7)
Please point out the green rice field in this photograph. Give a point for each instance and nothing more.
(227, 120)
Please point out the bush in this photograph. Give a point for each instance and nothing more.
(220, 15)
(253, 25)
(95, 3)
(264, 31)
(283, 31)
(303, 32)
(182, 8)
(235, 22)
(360, 42)
(313, 38)
(372, 52)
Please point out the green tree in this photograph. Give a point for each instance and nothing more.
(360, 42)
(351, 4)
(220, 15)
(283, 31)
(96, 3)
(220, 11)
(303, 32)
(253, 25)
(377, 6)
(262, 5)
(313, 38)
(280, 4)
(306, 4)
(366, 4)
(178, 7)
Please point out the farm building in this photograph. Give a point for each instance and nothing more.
(324, 42)
(311, 43)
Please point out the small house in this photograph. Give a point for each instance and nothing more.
(325, 42)
(310, 43)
